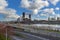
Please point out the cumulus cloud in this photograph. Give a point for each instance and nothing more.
(57, 8)
(54, 2)
(34, 5)
(46, 12)
(43, 14)
(49, 11)
(7, 12)
(3, 4)
(10, 13)
(35, 11)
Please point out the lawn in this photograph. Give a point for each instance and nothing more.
(2, 37)
(53, 31)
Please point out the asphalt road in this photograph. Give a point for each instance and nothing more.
(46, 36)
(34, 36)
(31, 37)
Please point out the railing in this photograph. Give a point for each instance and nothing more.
(47, 30)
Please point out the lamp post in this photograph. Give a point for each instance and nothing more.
(6, 34)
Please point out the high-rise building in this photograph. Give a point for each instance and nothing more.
(51, 19)
(23, 15)
(30, 16)
(58, 18)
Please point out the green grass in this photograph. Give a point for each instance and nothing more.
(2, 37)
(57, 31)
(53, 31)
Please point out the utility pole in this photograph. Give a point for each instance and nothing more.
(6, 34)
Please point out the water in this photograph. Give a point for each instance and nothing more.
(44, 25)
(49, 26)
(58, 26)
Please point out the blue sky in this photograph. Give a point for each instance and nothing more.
(16, 5)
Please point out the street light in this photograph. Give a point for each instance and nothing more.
(6, 33)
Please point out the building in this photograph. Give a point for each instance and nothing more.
(51, 19)
(30, 16)
(25, 18)
(58, 18)
(19, 19)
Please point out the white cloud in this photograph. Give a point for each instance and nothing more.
(7, 12)
(43, 14)
(25, 3)
(54, 2)
(34, 5)
(35, 11)
(49, 10)
(10, 13)
(3, 4)
(57, 15)
(57, 8)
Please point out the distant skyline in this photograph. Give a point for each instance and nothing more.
(40, 9)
